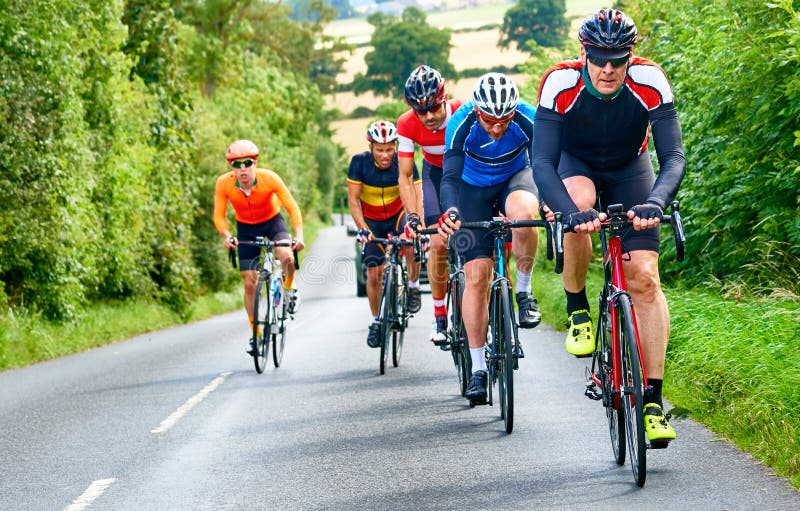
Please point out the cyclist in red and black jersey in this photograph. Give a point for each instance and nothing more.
(377, 209)
(424, 125)
(591, 133)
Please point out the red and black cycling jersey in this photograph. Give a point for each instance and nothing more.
(606, 133)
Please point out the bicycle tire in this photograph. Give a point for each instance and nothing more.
(611, 402)
(279, 329)
(633, 382)
(505, 356)
(261, 306)
(402, 319)
(458, 348)
(386, 307)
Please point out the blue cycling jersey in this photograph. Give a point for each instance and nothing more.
(472, 156)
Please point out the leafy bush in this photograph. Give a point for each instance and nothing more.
(736, 82)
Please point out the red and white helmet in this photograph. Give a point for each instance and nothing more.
(382, 132)
(241, 149)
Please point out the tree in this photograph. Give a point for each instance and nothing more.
(399, 46)
(542, 21)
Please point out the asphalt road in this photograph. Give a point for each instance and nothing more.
(179, 419)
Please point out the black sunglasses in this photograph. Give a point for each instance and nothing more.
(239, 164)
(601, 62)
(433, 108)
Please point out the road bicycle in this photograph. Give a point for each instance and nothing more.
(617, 376)
(393, 307)
(457, 342)
(502, 340)
(270, 305)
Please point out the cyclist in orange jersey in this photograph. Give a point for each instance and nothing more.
(256, 195)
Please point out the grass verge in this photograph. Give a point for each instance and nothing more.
(732, 365)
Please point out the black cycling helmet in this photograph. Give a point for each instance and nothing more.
(424, 88)
(608, 33)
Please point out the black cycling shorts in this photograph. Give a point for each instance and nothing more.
(375, 253)
(478, 204)
(431, 182)
(273, 229)
(629, 186)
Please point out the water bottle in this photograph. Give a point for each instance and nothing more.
(276, 292)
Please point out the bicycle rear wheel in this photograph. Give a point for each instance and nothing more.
(633, 383)
(279, 326)
(603, 370)
(386, 308)
(261, 334)
(503, 350)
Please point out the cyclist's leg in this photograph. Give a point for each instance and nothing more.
(519, 202)
(437, 253)
(374, 257)
(477, 274)
(579, 181)
(248, 263)
(629, 187)
(475, 247)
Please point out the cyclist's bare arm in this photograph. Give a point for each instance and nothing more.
(354, 203)
(410, 192)
(288, 202)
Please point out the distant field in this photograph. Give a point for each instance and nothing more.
(358, 29)
(470, 50)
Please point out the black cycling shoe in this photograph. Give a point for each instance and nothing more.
(251, 346)
(476, 390)
(374, 335)
(414, 300)
(529, 315)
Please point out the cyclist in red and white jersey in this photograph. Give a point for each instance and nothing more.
(424, 125)
(591, 133)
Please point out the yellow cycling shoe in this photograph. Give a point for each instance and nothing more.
(580, 334)
(656, 424)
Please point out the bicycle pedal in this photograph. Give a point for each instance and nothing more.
(446, 347)
(592, 393)
(659, 444)
(518, 353)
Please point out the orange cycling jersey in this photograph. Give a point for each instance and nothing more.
(263, 203)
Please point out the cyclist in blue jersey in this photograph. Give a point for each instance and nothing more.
(486, 170)
(592, 129)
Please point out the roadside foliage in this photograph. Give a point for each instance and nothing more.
(735, 71)
(114, 119)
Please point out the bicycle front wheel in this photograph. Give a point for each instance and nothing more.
(261, 322)
(458, 344)
(401, 320)
(279, 326)
(503, 351)
(601, 366)
(633, 384)
(388, 296)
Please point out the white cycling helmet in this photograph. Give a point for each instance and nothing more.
(495, 95)
(382, 132)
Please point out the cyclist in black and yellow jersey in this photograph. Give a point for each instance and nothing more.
(373, 196)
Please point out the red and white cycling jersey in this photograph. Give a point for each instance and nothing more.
(410, 131)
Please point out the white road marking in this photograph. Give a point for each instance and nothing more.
(92, 492)
(189, 404)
